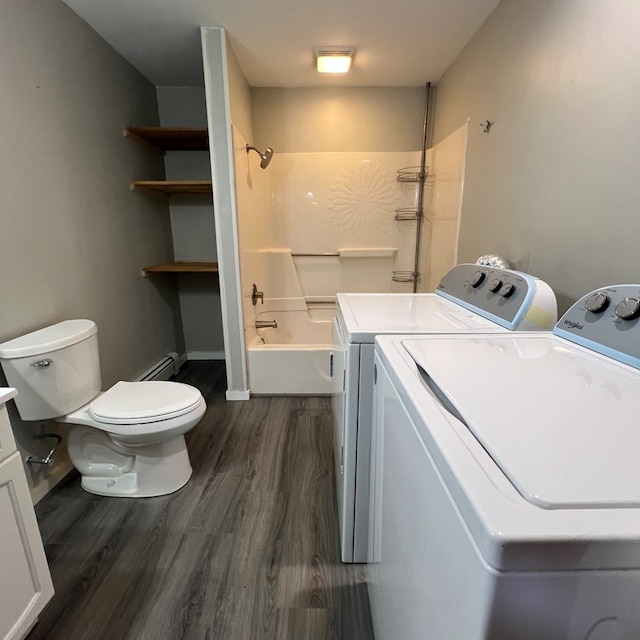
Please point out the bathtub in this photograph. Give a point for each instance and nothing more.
(292, 359)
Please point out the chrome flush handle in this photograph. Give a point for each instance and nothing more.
(41, 364)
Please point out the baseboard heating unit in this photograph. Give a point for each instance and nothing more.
(163, 369)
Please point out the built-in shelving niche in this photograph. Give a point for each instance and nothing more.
(160, 140)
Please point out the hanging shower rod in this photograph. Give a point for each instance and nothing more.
(422, 179)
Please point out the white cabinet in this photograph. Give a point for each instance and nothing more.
(25, 581)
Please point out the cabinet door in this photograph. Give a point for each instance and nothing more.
(7, 443)
(25, 581)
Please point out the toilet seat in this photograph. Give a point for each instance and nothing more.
(146, 414)
(144, 402)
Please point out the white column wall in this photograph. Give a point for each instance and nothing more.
(219, 118)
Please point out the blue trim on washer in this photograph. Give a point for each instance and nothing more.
(522, 311)
(620, 356)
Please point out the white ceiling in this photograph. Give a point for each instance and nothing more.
(399, 43)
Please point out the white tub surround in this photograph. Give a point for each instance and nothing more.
(292, 358)
(315, 224)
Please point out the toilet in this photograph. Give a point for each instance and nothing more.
(127, 441)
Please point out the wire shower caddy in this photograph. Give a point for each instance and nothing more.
(416, 175)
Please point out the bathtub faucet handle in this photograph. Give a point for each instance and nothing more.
(256, 295)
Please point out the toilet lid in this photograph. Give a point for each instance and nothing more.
(141, 402)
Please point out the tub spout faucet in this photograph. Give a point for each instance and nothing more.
(256, 295)
(266, 324)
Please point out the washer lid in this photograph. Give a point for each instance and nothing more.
(367, 315)
(140, 402)
(51, 338)
(558, 420)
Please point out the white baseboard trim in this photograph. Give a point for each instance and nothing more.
(205, 355)
(182, 359)
(238, 395)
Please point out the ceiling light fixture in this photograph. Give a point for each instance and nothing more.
(334, 60)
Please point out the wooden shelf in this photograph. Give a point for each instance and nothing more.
(163, 139)
(168, 187)
(182, 267)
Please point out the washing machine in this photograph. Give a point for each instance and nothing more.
(469, 299)
(506, 480)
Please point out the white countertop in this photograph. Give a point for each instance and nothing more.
(6, 393)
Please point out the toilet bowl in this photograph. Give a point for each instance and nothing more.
(127, 441)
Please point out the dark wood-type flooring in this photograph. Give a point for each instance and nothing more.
(248, 549)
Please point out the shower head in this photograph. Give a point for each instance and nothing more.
(265, 158)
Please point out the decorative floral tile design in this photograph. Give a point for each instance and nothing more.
(364, 196)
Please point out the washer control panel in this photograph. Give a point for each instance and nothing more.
(606, 320)
(501, 295)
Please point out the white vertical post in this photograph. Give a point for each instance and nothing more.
(224, 205)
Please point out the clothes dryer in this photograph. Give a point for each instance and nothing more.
(469, 299)
(506, 483)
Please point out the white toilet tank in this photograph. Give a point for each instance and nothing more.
(55, 370)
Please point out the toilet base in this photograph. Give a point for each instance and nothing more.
(110, 468)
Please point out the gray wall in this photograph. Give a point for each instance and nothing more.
(73, 236)
(338, 119)
(192, 226)
(554, 185)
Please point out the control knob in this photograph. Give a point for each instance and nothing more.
(597, 302)
(507, 290)
(495, 285)
(628, 308)
(477, 279)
